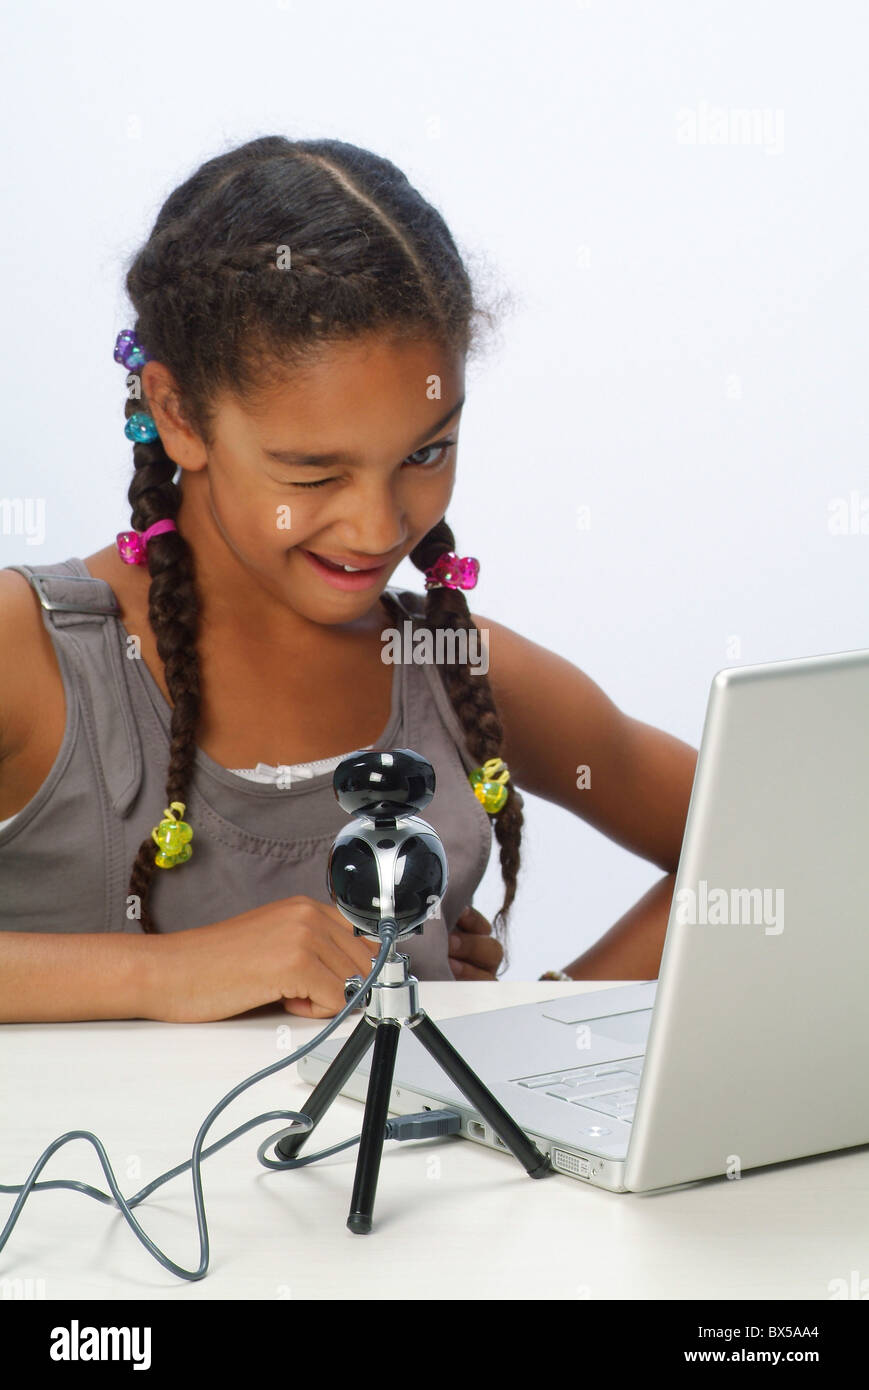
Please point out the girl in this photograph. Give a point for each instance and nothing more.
(295, 380)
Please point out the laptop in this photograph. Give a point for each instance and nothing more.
(752, 1047)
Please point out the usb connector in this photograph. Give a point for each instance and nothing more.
(428, 1124)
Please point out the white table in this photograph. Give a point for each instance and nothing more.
(471, 1226)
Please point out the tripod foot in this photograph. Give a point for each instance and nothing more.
(533, 1160)
(359, 1223)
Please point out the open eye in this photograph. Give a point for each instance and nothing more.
(442, 446)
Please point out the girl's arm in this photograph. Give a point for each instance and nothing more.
(566, 741)
(48, 977)
(631, 949)
(294, 951)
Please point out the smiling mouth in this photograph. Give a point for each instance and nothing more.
(349, 580)
(341, 568)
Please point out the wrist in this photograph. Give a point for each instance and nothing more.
(150, 988)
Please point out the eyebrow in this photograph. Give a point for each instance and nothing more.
(295, 458)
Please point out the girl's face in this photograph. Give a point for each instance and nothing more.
(257, 507)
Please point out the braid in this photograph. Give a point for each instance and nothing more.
(368, 255)
(173, 613)
(474, 704)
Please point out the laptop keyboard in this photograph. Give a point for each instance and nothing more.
(610, 1087)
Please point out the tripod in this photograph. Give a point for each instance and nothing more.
(385, 868)
(392, 1003)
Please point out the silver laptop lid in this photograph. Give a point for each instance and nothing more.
(759, 1041)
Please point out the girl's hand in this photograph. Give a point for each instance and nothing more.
(475, 954)
(295, 951)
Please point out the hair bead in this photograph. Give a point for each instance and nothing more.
(489, 783)
(172, 838)
(140, 428)
(129, 351)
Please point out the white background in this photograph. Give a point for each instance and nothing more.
(686, 356)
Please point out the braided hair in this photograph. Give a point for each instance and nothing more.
(368, 253)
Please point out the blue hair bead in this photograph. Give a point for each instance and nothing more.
(141, 428)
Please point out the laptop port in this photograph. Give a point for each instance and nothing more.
(571, 1163)
(475, 1128)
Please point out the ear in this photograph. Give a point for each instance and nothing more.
(181, 443)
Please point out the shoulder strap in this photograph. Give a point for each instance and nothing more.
(61, 593)
(77, 610)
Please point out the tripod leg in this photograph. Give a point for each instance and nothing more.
(330, 1084)
(373, 1126)
(457, 1069)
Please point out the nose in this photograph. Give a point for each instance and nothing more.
(376, 525)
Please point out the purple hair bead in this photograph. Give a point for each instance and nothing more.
(129, 351)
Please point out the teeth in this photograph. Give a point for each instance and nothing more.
(336, 564)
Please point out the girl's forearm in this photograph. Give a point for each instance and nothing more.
(631, 949)
(48, 978)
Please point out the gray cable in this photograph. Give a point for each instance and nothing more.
(389, 935)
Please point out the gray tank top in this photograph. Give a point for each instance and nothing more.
(65, 858)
